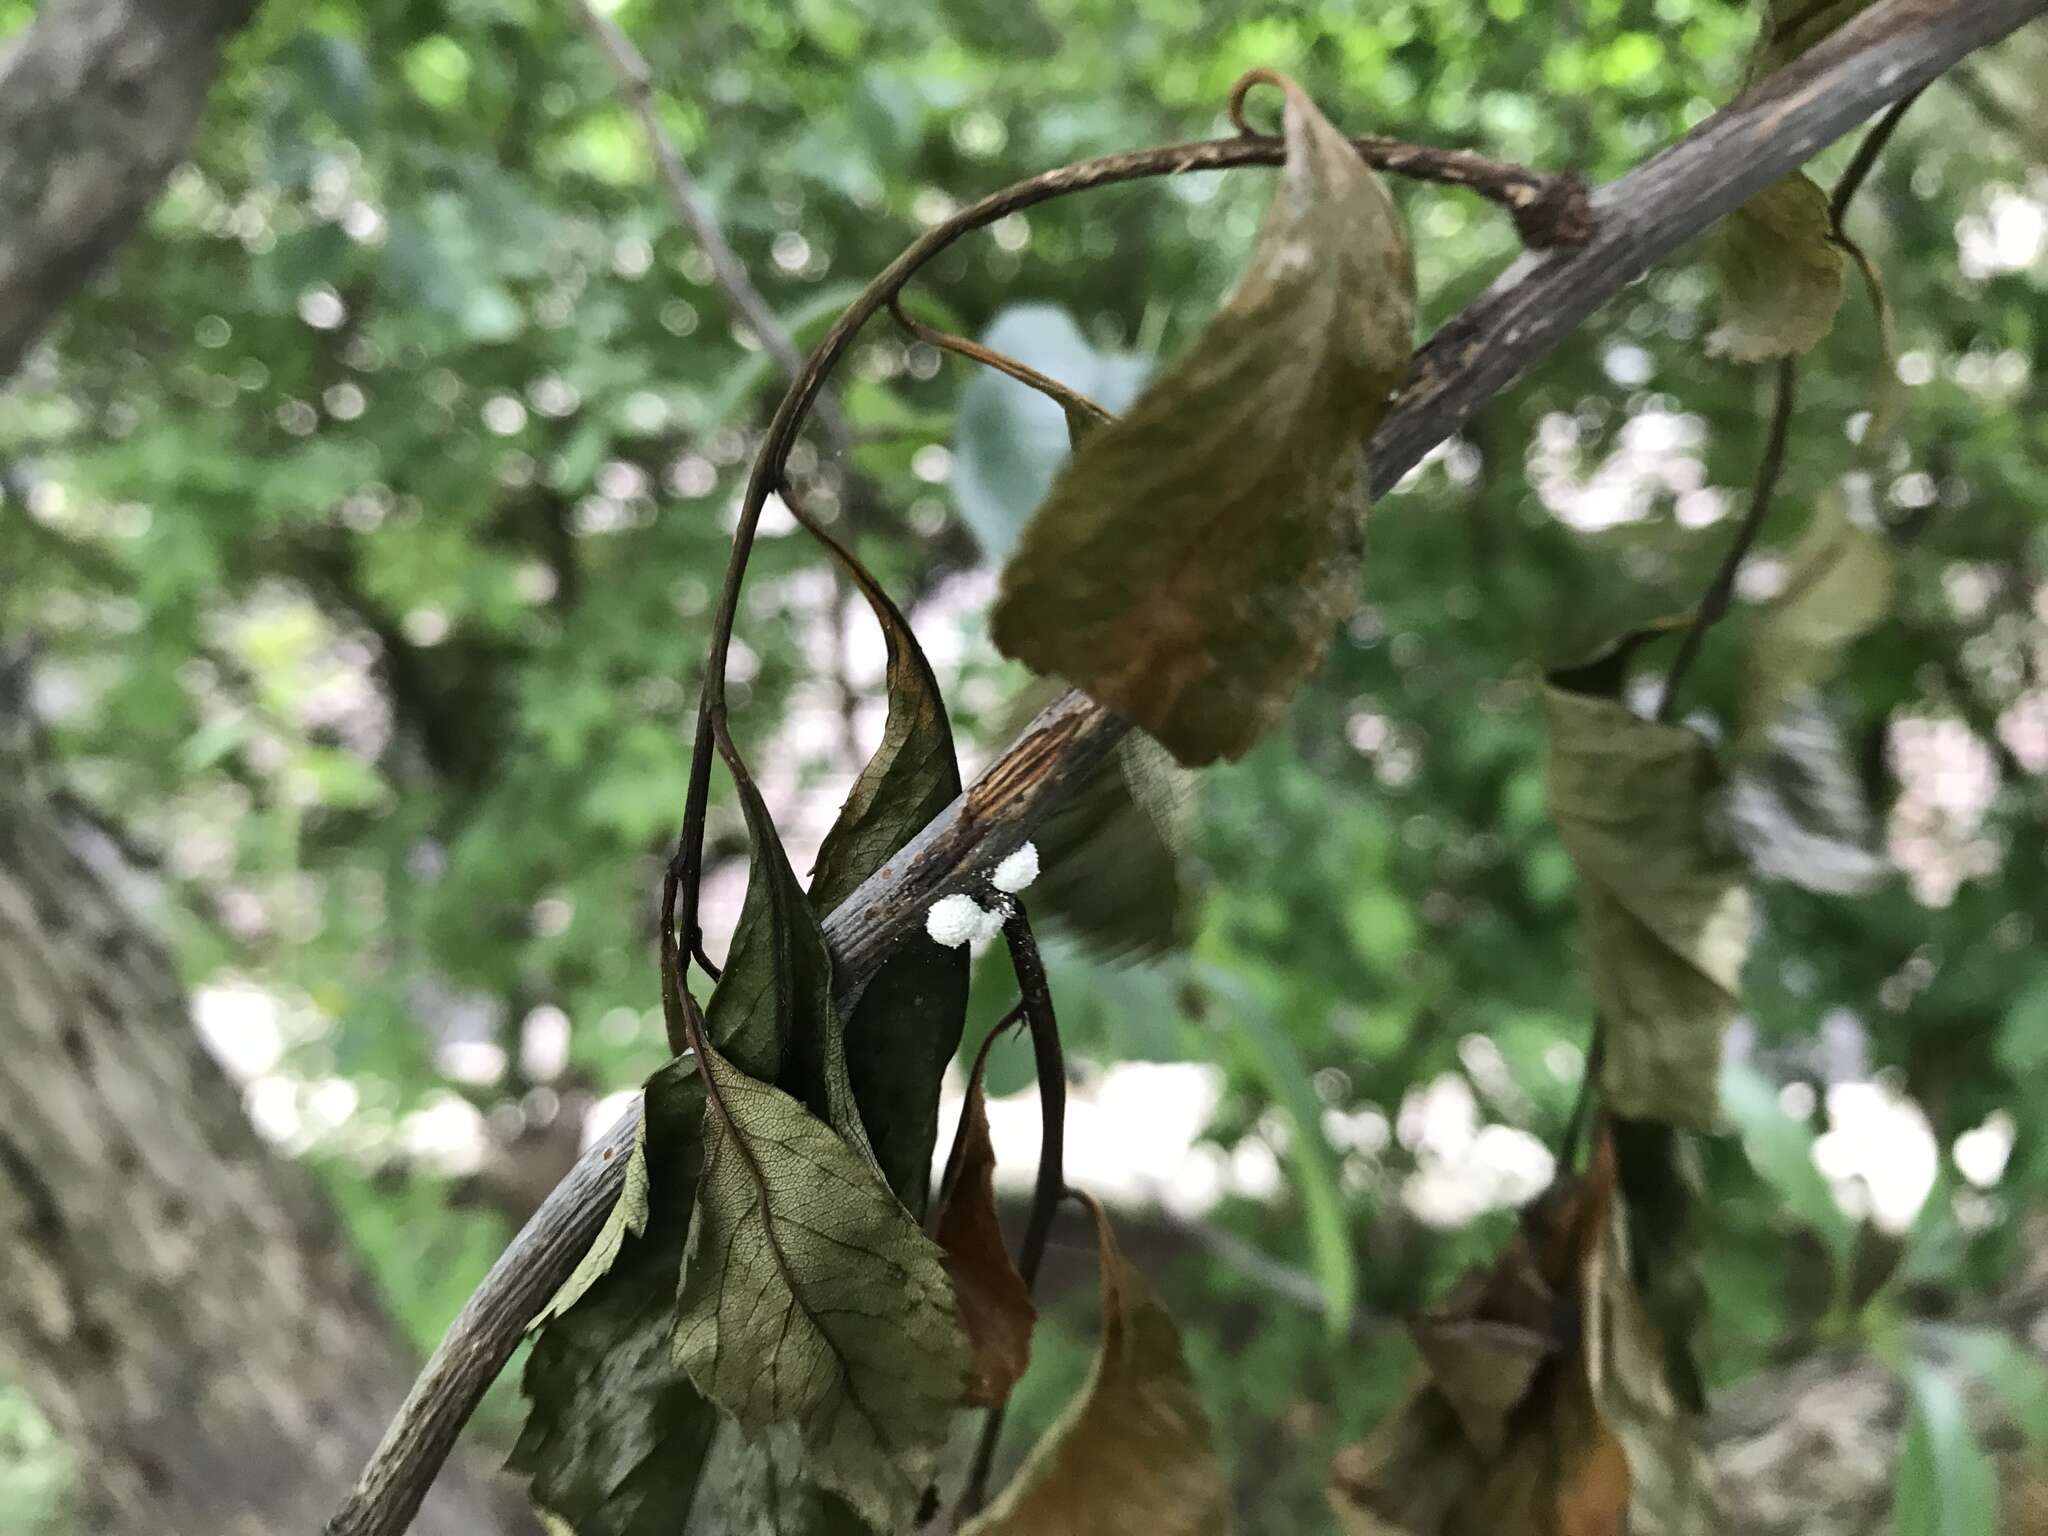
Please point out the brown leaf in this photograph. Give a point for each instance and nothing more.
(1133, 1452)
(995, 1306)
(1192, 559)
(1538, 1452)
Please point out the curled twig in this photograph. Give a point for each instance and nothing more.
(1067, 399)
(1548, 209)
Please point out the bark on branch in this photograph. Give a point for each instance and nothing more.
(1894, 48)
(97, 102)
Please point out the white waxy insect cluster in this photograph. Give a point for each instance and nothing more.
(1016, 871)
(956, 920)
(960, 919)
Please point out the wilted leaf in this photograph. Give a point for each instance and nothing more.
(1133, 1452)
(1190, 563)
(1667, 919)
(1781, 273)
(1574, 1433)
(907, 1023)
(771, 1014)
(809, 1297)
(1839, 579)
(1009, 440)
(995, 1304)
(616, 1435)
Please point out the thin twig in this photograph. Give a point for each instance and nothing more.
(1721, 589)
(1067, 399)
(1051, 1068)
(1865, 158)
(636, 83)
(1888, 50)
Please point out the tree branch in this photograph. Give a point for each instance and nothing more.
(1891, 49)
(98, 100)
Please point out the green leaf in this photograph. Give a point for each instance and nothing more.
(1133, 1452)
(2015, 1375)
(907, 1023)
(1009, 440)
(1780, 1148)
(1667, 919)
(1781, 273)
(616, 1434)
(1191, 561)
(1273, 1056)
(809, 1297)
(1947, 1486)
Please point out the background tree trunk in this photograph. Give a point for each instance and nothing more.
(178, 1298)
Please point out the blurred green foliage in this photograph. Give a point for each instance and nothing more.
(368, 517)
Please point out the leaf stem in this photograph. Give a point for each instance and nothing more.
(1061, 395)
(1714, 602)
(1036, 1005)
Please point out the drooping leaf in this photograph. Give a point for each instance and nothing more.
(995, 1304)
(1133, 1452)
(1781, 273)
(1667, 918)
(907, 1023)
(772, 1013)
(1947, 1485)
(1189, 564)
(809, 1297)
(1009, 440)
(1112, 855)
(616, 1434)
(1543, 1409)
(1839, 579)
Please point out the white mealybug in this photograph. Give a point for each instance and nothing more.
(956, 920)
(1016, 871)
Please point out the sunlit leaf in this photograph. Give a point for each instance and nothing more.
(995, 1305)
(616, 1434)
(1133, 1452)
(1780, 1148)
(1009, 441)
(1667, 919)
(1781, 273)
(1947, 1486)
(906, 1026)
(1190, 563)
(809, 1297)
